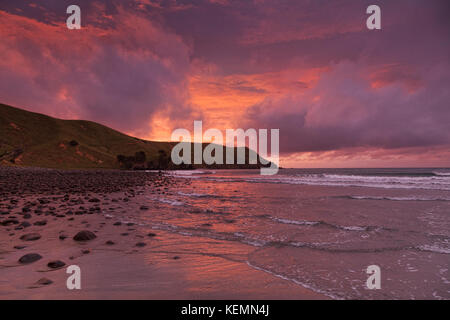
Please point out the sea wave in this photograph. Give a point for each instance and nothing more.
(441, 173)
(330, 225)
(190, 172)
(194, 195)
(434, 248)
(171, 202)
(385, 182)
(413, 198)
(297, 281)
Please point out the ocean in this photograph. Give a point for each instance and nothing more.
(320, 228)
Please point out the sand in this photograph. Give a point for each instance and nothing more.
(125, 260)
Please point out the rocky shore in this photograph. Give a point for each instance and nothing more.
(48, 210)
(51, 220)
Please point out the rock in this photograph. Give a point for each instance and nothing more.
(144, 208)
(30, 237)
(86, 251)
(40, 223)
(44, 282)
(117, 223)
(73, 143)
(27, 216)
(62, 237)
(130, 224)
(30, 258)
(19, 247)
(176, 258)
(55, 264)
(141, 244)
(9, 222)
(25, 224)
(110, 243)
(84, 236)
(151, 234)
(94, 200)
(124, 234)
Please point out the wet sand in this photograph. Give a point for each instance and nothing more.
(125, 260)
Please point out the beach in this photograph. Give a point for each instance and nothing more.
(226, 234)
(128, 259)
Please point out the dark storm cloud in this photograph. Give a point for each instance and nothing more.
(118, 75)
(136, 59)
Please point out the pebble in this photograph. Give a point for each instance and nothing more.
(84, 236)
(30, 258)
(30, 237)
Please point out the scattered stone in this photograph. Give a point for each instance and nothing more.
(62, 237)
(30, 237)
(25, 224)
(84, 236)
(9, 222)
(30, 258)
(118, 223)
(19, 247)
(40, 223)
(55, 264)
(151, 234)
(86, 251)
(110, 243)
(141, 244)
(144, 208)
(44, 282)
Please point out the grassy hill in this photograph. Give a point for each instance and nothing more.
(33, 139)
(37, 140)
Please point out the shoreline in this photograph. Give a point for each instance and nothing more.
(126, 260)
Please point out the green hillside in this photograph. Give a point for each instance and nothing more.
(33, 139)
(36, 140)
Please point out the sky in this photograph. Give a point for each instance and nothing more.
(342, 95)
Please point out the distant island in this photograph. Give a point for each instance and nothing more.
(35, 140)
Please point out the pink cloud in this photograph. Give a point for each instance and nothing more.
(117, 75)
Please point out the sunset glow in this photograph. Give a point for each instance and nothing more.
(340, 94)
